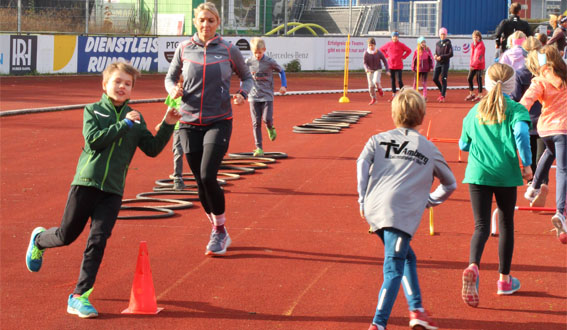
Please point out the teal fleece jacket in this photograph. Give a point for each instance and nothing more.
(110, 144)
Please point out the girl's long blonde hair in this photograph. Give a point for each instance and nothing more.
(554, 62)
(492, 107)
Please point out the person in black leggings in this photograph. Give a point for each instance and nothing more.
(443, 53)
(200, 73)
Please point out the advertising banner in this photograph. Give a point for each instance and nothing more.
(23, 54)
(95, 53)
(4, 54)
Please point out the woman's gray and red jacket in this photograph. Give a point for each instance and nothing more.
(206, 70)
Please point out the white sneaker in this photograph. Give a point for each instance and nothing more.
(531, 193)
(558, 221)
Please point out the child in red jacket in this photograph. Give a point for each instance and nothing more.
(395, 51)
(425, 64)
(476, 66)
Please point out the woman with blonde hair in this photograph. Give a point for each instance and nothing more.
(492, 131)
(550, 87)
(204, 64)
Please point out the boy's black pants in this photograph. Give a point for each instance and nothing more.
(84, 203)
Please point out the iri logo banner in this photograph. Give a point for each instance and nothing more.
(23, 54)
(466, 48)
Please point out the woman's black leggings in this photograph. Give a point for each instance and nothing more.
(205, 167)
(470, 78)
(481, 200)
(393, 74)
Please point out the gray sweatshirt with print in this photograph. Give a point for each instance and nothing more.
(395, 172)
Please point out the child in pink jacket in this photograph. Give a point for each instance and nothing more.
(425, 64)
(395, 51)
(477, 65)
(550, 87)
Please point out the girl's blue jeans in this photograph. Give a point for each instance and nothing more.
(556, 150)
(400, 266)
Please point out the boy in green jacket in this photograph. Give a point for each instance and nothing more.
(112, 132)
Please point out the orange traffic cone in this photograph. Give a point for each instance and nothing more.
(143, 296)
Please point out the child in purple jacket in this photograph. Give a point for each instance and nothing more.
(373, 59)
(425, 64)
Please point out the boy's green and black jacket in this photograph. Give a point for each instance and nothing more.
(110, 144)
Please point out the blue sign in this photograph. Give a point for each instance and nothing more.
(95, 53)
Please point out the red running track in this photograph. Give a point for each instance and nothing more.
(301, 256)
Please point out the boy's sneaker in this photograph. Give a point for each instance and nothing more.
(531, 194)
(81, 306)
(558, 221)
(178, 184)
(258, 152)
(470, 286)
(34, 256)
(218, 243)
(508, 287)
(539, 199)
(420, 320)
(376, 327)
(272, 133)
(470, 97)
(372, 101)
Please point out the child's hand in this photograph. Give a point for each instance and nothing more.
(283, 90)
(157, 127)
(362, 213)
(238, 99)
(133, 116)
(527, 173)
(388, 73)
(177, 91)
(172, 116)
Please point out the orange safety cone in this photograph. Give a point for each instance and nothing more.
(143, 296)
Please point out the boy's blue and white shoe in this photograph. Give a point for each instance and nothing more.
(34, 256)
(81, 306)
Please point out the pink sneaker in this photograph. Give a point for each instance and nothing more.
(380, 92)
(420, 320)
(441, 99)
(372, 101)
(505, 288)
(470, 286)
(376, 327)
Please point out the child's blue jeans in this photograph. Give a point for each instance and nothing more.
(400, 266)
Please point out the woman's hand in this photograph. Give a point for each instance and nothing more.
(238, 99)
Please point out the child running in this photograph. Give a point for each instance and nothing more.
(395, 172)
(515, 56)
(443, 54)
(550, 88)
(492, 130)
(396, 52)
(425, 64)
(373, 59)
(112, 132)
(523, 81)
(261, 97)
(476, 66)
